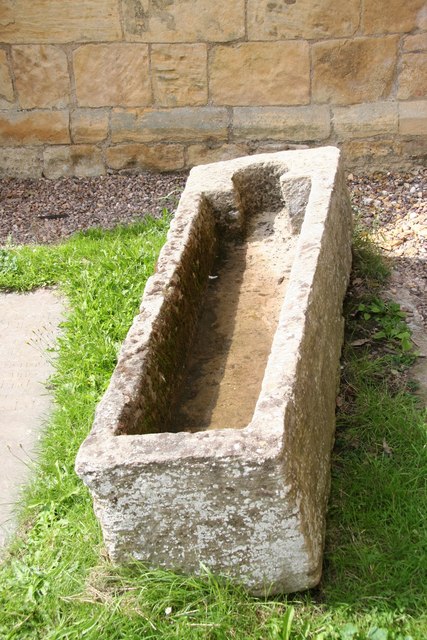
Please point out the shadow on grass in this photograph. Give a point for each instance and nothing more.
(376, 545)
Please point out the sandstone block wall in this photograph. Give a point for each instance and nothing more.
(92, 86)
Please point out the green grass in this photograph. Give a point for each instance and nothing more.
(56, 582)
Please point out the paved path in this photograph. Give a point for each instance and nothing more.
(28, 328)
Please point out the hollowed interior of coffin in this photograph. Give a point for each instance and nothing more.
(209, 346)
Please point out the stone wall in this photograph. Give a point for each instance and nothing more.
(91, 86)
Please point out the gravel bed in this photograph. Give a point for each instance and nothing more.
(392, 205)
(45, 211)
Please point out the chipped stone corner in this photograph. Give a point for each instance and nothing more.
(247, 503)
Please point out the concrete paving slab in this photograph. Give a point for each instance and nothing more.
(28, 330)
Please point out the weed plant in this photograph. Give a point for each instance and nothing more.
(56, 582)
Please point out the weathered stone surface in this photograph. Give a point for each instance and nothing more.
(366, 120)
(6, 88)
(21, 162)
(416, 42)
(351, 71)
(422, 18)
(79, 160)
(309, 19)
(179, 74)
(413, 118)
(204, 154)
(282, 123)
(260, 73)
(414, 150)
(183, 20)
(412, 80)
(6, 13)
(112, 75)
(155, 157)
(58, 21)
(185, 123)
(34, 127)
(378, 155)
(393, 16)
(89, 125)
(371, 154)
(41, 74)
(274, 147)
(249, 502)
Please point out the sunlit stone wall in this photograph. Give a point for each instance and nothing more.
(92, 86)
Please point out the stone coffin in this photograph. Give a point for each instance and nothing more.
(212, 442)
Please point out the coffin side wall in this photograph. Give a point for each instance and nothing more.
(126, 85)
(235, 516)
(153, 357)
(310, 431)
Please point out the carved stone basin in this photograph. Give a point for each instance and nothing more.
(212, 442)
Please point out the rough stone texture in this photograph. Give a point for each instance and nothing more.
(24, 162)
(413, 118)
(365, 120)
(89, 125)
(211, 75)
(79, 160)
(185, 123)
(34, 127)
(415, 149)
(6, 87)
(274, 147)
(372, 153)
(311, 19)
(413, 76)
(179, 74)
(112, 75)
(183, 20)
(6, 13)
(350, 71)
(41, 74)
(282, 123)
(250, 502)
(202, 154)
(156, 157)
(422, 18)
(393, 16)
(417, 42)
(260, 73)
(54, 21)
